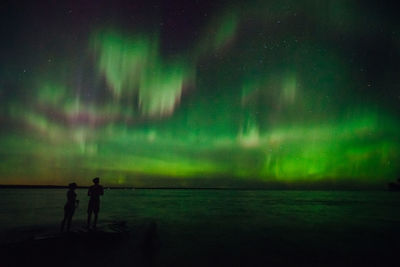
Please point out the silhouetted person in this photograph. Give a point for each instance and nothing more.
(70, 206)
(95, 191)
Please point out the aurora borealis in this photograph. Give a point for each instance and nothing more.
(206, 93)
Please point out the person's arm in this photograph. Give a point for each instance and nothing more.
(89, 192)
(102, 191)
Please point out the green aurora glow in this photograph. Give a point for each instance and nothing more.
(272, 93)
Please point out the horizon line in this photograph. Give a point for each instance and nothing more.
(344, 188)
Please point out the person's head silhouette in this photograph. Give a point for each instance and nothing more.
(72, 186)
(96, 180)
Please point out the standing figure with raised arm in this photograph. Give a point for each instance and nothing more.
(70, 206)
(95, 191)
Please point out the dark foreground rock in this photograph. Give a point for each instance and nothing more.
(110, 244)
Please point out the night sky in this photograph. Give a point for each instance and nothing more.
(200, 93)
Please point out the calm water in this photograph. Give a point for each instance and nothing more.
(199, 222)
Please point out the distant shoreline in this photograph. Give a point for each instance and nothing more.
(193, 188)
(128, 187)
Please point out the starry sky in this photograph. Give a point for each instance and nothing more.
(226, 94)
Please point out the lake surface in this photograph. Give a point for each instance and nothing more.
(229, 227)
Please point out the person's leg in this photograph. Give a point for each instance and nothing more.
(69, 222)
(63, 222)
(96, 208)
(95, 220)
(89, 218)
